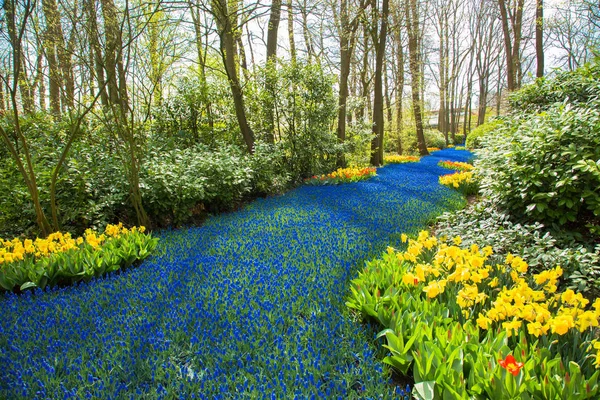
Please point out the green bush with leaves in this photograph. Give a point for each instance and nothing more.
(576, 87)
(269, 175)
(474, 137)
(179, 183)
(543, 166)
(434, 138)
(459, 138)
(91, 190)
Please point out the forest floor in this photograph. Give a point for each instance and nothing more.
(250, 304)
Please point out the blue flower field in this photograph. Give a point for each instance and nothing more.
(249, 305)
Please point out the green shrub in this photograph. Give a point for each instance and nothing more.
(434, 138)
(543, 167)
(459, 138)
(91, 190)
(474, 137)
(177, 182)
(574, 87)
(269, 175)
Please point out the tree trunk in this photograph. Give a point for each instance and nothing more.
(93, 33)
(400, 77)
(539, 37)
(291, 33)
(346, 49)
(511, 29)
(412, 25)
(271, 64)
(228, 53)
(378, 114)
(50, 43)
(16, 24)
(306, 32)
(273, 29)
(365, 92)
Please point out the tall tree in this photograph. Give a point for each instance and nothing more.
(539, 37)
(272, 34)
(348, 24)
(511, 17)
(378, 114)
(227, 27)
(399, 52)
(18, 15)
(414, 60)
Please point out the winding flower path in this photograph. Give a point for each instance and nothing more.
(250, 305)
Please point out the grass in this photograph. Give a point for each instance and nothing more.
(251, 304)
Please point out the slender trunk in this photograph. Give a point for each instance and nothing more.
(271, 62)
(539, 37)
(97, 68)
(346, 49)
(40, 82)
(399, 78)
(388, 103)
(16, 30)
(306, 33)
(291, 32)
(412, 25)
(378, 114)
(273, 29)
(50, 43)
(228, 52)
(243, 61)
(510, 72)
(365, 92)
(2, 100)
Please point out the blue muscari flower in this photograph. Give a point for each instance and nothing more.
(225, 292)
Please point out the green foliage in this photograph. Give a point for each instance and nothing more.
(540, 166)
(474, 137)
(91, 188)
(576, 87)
(177, 182)
(434, 138)
(269, 175)
(459, 138)
(305, 107)
(486, 225)
(198, 112)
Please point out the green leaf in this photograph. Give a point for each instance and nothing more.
(424, 390)
(28, 285)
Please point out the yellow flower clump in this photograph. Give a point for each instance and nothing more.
(432, 149)
(348, 173)
(457, 179)
(458, 165)
(397, 159)
(57, 242)
(505, 295)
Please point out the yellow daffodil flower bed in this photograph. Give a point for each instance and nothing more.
(398, 159)
(60, 259)
(432, 149)
(343, 175)
(453, 318)
(465, 182)
(456, 165)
